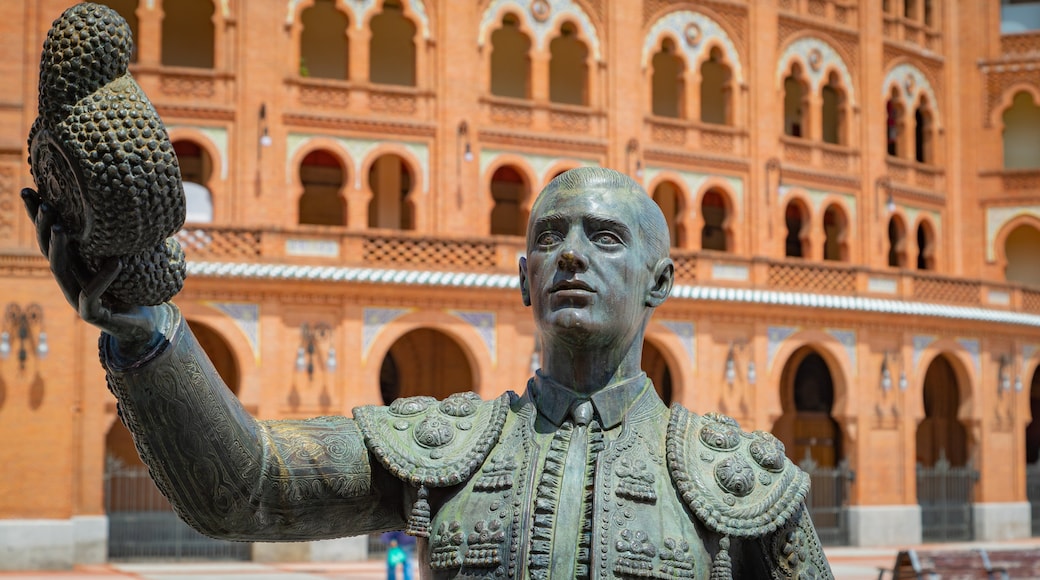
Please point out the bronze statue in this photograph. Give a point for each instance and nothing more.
(587, 474)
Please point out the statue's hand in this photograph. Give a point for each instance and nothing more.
(135, 328)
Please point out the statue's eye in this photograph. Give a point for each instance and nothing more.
(606, 239)
(549, 238)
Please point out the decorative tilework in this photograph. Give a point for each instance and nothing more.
(686, 331)
(483, 321)
(247, 318)
(373, 321)
(847, 338)
(972, 346)
(678, 24)
(777, 335)
(920, 343)
(558, 9)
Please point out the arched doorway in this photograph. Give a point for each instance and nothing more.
(196, 171)
(509, 193)
(715, 211)
(814, 440)
(322, 176)
(510, 60)
(835, 241)
(1021, 248)
(896, 243)
(568, 68)
(716, 89)
(392, 183)
(669, 198)
(426, 362)
(391, 56)
(796, 220)
(141, 522)
(657, 370)
(945, 477)
(324, 49)
(188, 34)
(666, 82)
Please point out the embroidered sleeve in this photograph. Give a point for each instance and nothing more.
(230, 476)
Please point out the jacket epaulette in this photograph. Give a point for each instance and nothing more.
(737, 483)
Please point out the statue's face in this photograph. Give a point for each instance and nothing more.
(586, 274)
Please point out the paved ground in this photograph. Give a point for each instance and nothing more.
(847, 563)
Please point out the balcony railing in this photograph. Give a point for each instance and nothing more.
(826, 156)
(901, 29)
(342, 96)
(386, 249)
(186, 85)
(921, 175)
(1024, 44)
(843, 12)
(552, 118)
(707, 137)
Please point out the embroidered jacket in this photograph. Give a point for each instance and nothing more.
(508, 488)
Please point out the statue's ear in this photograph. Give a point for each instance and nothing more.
(525, 292)
(661, 284)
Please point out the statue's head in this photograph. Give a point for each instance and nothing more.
(597, 257)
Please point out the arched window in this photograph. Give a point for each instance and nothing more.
(716, 92)
(835, 226)
(509, 191)
(391, 57)
(833, 111)
(1022, 133)
(929, 14)
(923, 132)
(196, 170)
(322, 176)
(188, 33)
(796, 219)
(925, 247)
(667, 81)
(894, 124)
(323, 42)
(796, 104)
(510, 60)
(128, 10)
(714, 212)
(568, 69)
(1021, 249)
(896, 243)
(668, 197)
(391, 182)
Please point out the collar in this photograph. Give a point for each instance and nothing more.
(612, 403)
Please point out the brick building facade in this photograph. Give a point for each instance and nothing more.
(853, 189)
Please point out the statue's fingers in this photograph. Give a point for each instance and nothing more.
(45, 219)
(32, 202)
(61, 265)
(90, 307)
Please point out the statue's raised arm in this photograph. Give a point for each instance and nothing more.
(108, 200)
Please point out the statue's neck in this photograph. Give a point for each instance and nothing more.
(591, 369)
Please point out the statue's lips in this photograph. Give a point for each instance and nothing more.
(569, 286)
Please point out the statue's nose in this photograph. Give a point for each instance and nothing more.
(573, 261)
